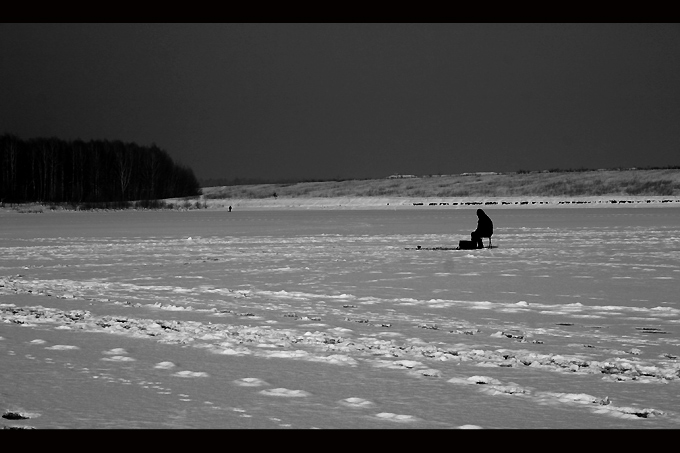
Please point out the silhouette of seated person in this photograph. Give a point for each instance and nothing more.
(484, 229)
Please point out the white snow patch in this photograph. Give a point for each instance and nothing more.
(401, 418)
(285, 393)
(190, 374)
(250, 382)
(164, 365)
(357, 403)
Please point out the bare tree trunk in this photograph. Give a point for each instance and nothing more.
(12, 168)
(124, 161)
(95, 171)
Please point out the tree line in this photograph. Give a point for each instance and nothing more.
(54, 170)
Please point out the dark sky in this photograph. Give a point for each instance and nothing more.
(322, 101)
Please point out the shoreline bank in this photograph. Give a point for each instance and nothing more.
(533, 202)
(386, 203)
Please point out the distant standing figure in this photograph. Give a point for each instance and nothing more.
(229, 208)
(484, 229)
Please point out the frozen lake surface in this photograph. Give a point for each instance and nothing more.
(326, 319)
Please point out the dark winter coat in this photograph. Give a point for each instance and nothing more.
(484, 224)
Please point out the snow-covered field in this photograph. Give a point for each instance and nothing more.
(330, 319)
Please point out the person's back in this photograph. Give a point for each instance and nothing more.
(484, 224)
(484, 228)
